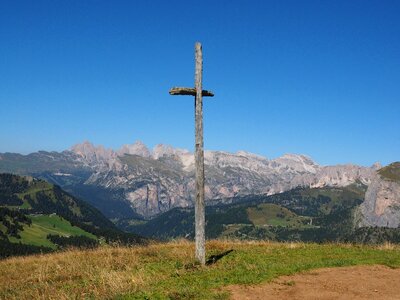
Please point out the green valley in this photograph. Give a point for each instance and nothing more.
(36, 216)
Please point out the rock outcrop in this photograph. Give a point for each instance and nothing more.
(382, 200)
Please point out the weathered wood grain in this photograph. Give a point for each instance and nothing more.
(189, 92)
(199, 160)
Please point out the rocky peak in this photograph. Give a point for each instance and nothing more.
(138, 148)
(162, 150)
(376, 166)
(83, 148)
(250, 155)
(297, 163)
(92, 154)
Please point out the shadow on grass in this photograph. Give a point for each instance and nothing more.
(214, 258)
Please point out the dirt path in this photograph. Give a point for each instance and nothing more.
(359, 282)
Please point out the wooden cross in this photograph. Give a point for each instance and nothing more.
(198, 92)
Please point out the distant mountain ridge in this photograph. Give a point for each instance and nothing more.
(135, 180)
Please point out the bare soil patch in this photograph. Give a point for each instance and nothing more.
(357, 282)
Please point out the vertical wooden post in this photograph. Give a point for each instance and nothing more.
(199, 159)
(200, 238)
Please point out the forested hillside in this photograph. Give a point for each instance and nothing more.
(302, 214)
(36, 216)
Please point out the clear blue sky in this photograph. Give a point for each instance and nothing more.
(320, 78)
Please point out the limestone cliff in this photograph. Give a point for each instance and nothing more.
(382, 200)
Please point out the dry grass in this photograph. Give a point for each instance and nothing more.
(99, 273)
(168, 270)
(388, 246)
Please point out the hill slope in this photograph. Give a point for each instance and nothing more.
(40, 216)
(391, 172)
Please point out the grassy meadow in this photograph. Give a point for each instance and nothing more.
(42, 225)
(271, 214)
(168, 270)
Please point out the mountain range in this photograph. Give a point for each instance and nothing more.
(143, 182)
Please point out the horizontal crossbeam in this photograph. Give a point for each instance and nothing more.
(189, 91)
